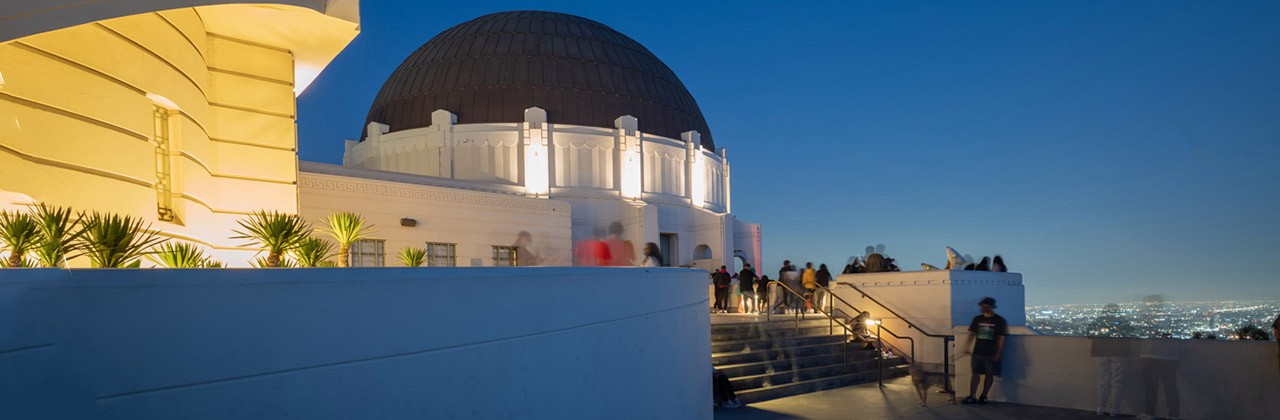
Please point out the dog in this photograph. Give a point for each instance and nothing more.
(922, 379)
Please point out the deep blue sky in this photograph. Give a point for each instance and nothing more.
(1108, 150)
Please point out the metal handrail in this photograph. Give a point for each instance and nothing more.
(904, 319)
(847, 329)
(946, 338)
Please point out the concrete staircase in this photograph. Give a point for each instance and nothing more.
(768, 360)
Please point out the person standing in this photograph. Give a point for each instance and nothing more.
(1159, 366)
(593, 251)
(997, 265)
(810, 281)
(721, 279)
(747, 286)
(762, 293)
(787, 276)
(621, 252)
(652, 256)
(988, 333)
(824, 280)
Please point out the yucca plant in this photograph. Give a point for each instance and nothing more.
(346, 228)
(115, 241)
(19, 234)
(413, 257)
(212, 263)
(273, 232)
(59, 230)
(179, 255)
(313, 252)
(264, 262)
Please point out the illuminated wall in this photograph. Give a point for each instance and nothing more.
(473, 221)
(184, 117)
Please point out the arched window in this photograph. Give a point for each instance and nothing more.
(702, 252)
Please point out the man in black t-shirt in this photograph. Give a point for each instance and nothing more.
(988, 331)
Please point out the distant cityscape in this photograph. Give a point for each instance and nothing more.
(1153, 317)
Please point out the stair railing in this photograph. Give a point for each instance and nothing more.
(946, 338)
(880, 356)
(798, 316)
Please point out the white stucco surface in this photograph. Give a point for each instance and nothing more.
(385, 343)
(1216, 379)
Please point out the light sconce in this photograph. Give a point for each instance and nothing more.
(407, 222)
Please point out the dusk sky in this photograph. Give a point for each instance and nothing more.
(1108, 150)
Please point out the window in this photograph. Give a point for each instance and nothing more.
(369, 253)
(442, 254)
(164, 170)
(504, 256)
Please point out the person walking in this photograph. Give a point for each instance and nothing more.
(789, 277)
(810, 281)
(762, 293)
(621, 252)
(824, 280)
(987, 339)
(721, 279)
(747, 286)
(652, 256)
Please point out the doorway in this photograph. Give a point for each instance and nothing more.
(667, 244)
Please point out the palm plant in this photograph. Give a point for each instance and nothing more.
(19, 234)
(212, 263)
(413, 257)
(347, 228)
(313, 252)
(275, 233)
(265, 262)
(180, 255)
(60, 232)
(115, 241)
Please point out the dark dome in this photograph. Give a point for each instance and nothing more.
(492, 68)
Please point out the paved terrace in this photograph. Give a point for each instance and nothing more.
(896, 401)
(867, 401)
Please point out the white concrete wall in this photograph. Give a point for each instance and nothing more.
(473, 220)
(1216, 379)
(934, 301)
(388, 343)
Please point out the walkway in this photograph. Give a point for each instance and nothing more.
(896, 401)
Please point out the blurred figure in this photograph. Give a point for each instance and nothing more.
(721, 281)
(820, 294)
(848, 269)
(593, 251)
(762, 293)
(875, 263)
(652, 256)
(788, 276)
(747, 286)
(858, 266)
(622, 253)
(525, 256)
(984, 265)
(1111, 353)
(997, 265)
(808, 279)
(1159, 362)
(1275, 330)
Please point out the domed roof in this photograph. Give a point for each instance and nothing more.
(490, 69)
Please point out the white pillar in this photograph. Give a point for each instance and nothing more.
(627, 171)
(443, 122)
(534, 137)
(695, 169)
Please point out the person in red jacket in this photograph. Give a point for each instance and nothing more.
(593, 251)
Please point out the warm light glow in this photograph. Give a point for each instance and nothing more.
(873, 322)
(163, 102)
(699, 181)
(536, 179)
(630, 147)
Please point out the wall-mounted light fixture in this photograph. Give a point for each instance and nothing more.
(407, 222)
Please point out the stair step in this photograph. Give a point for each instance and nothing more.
(788, 376)
(855, 349)
(758, 333)
(806, 386)
(772, 343)
(811, 321)
(758, 368)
